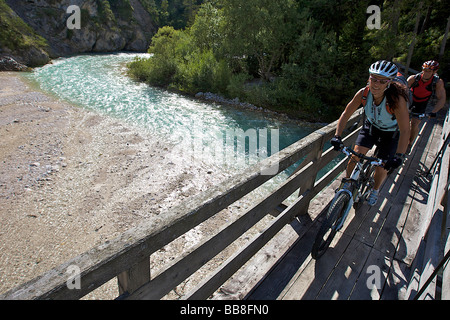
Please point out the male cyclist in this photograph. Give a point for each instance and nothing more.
(386, 125)
(424, 86)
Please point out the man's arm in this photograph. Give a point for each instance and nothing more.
(411, 80)
(441, 96)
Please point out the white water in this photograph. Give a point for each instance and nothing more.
(99, 82)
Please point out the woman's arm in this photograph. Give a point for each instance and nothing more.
(351, 107)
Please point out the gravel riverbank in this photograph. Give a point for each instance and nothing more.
(71, 179)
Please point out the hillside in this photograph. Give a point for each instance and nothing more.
(33, 31)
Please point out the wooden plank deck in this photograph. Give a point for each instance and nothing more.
(371, 257)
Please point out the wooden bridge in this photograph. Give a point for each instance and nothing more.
(390, 251)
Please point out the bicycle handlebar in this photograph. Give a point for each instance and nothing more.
(375, 161)
(420, 115)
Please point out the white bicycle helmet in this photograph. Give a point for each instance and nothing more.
(384, 68)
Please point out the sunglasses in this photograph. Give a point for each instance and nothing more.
(382, 81)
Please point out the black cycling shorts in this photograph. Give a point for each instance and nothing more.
(418, 107)
(386, 141)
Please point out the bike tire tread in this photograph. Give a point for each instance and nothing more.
(333, 214)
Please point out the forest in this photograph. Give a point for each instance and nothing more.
(304, 58)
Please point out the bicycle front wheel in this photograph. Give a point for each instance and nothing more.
(328, 229)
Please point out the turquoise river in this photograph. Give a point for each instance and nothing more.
(99, 83)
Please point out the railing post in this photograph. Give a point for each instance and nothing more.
(130, 280)
(308, 184)
(424, 273)
(446, 268)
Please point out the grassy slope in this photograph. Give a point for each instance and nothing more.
(15, 34)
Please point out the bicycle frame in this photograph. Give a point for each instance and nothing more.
(354, 181)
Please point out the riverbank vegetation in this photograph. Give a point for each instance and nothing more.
(302, 57)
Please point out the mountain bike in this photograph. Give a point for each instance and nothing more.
(352, 192)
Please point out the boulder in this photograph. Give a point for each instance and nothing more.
(9, 64)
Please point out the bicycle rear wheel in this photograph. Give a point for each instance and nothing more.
(328, 229)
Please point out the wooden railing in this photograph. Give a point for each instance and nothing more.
(128, 256)
(403, 69)
(431, 262)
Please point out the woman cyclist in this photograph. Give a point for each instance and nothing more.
(386, 125)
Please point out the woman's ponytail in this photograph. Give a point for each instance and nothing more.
(393, 92)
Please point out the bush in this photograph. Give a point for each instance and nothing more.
(177, 63)
(197, 72)
(201, 71)
(154, 71)
(168, 46)
(139, 69)
(222, 77)
(235, 88)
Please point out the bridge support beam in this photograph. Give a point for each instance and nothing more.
(129, 281)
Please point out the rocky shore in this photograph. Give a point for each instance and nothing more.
(212, 97)
(9, 64)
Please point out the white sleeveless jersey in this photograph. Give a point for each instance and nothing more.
(379, 115)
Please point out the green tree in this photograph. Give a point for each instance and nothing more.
(327, 62)
(260, 28)
(164, 13)
(316, 54)
(168, 47)
(209, 28)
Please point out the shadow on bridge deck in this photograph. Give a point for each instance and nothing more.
(376, 246)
